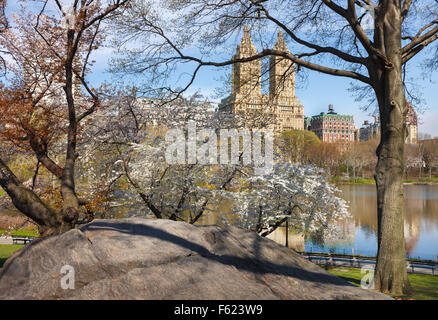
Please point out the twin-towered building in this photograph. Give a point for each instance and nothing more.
(284, 109)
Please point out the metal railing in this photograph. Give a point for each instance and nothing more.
(329, 259)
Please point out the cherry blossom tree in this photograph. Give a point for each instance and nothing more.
(46, 99)
(134, 143)
(372, 42)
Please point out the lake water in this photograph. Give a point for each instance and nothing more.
(359, 234)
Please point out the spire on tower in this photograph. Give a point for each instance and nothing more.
(246, 47)
(246, 76)
(281, 72)
(281, 44)
(246, 30)
(246, 39)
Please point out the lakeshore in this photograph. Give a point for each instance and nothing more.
(370, 181)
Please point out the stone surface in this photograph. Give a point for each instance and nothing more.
(161, 259)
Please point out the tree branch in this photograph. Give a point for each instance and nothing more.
(318, 49)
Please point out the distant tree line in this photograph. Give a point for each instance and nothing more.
(358, 160)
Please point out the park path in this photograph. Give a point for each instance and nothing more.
(5, 240)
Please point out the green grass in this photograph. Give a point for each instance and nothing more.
(22, 233)
(370, 181)
(428, 180)
(6, 250)
(338, 180)
(425, 286)
(421, 180)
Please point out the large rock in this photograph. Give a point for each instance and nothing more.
(161, 259)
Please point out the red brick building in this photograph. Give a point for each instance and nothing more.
(332, 127)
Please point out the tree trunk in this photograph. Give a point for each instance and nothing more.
(391, 274)
(29, 203)
(70, 203)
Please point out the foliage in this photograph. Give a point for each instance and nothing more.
(299, 194)
(299, 146)
(422, 159)
(46, 99)
(126, 153)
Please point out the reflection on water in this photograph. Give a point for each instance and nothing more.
(421, 222)
(358, 234)
(294, 241)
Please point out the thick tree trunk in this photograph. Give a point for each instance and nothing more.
(29, 203)
(391, 274)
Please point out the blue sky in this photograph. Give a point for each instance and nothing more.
(316, 94)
